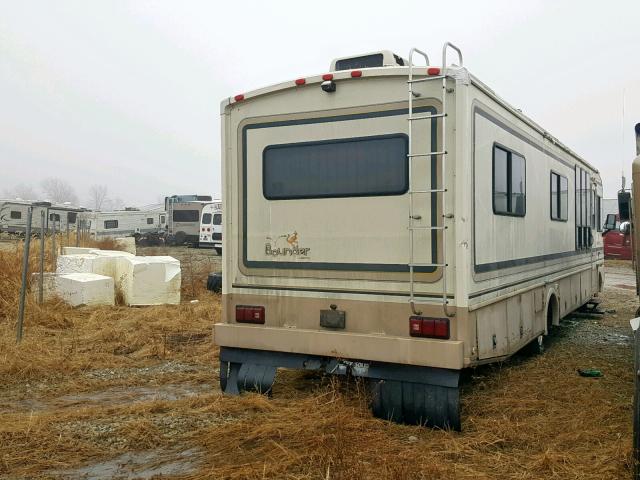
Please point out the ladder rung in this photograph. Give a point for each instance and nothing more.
(426, 79)
(411, 155)
(427, 117)
(428, 265)
(435, 190)
(424, 227)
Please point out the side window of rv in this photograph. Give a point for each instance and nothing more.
(509, 183)
(217, 219)
(598, 213)
(559, 197)
(16, 215)
(71, 217)
(350, 167)
(111, 224)
(149, 221)
(162, 219)
(585, 206)
(54, 217)
(186, 216)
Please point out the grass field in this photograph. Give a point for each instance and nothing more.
(117, 392)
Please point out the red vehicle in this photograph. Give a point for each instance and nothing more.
(617, 238)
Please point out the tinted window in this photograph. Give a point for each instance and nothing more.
(206, 218)
(71, 217)
(149, 221)
(16, 215)
(186, 216)
(366, 61)
(111, 224)
(509, 183)
(217, 219)
(353, 167)
(54, 216)
(559, 197)
(162, 219)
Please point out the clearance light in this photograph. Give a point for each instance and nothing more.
(327, 76)
(429, 327)
(239, 98)
(433, 71)
(356, 73)
(300, 81)
(249, 314)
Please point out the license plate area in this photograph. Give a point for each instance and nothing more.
(333, 319)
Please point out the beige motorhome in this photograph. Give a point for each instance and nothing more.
(399, 223)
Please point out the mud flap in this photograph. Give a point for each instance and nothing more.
(416, 403)
(236, 378)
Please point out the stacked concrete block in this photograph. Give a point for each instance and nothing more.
(85, 289)
(150, 280)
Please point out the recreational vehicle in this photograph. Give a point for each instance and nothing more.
(125, 223)
(399, 223)
(183, 222)
(211, 226)
(13, 216)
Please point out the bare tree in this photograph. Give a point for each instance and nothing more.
(26, 192)
(59, 191)
(97, 196)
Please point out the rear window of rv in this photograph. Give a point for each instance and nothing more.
(206, 218)
(111, 224)
(217, 219)
(186, 216)
(352, 167)
(149, 221)
(366, 61)
(16, 215)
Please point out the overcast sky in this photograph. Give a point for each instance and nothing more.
(127, 93)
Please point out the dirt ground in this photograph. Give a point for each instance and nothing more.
(132, 393)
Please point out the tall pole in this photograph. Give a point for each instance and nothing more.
(53, 239)
(25, 269)
(41, 279)
(68, 245)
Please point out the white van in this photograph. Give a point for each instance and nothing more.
(398, 223)
(211, 227)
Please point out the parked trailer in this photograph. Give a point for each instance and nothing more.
(211, 226)
(13, 216)
(149, 225)
(184, 212)
(396, 236)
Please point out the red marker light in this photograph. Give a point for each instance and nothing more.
(300, 81)
(327, 76)
(356, 73)
(238, 98)
(433, 71)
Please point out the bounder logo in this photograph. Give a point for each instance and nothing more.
(285, 246)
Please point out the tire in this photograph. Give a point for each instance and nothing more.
(179, 238)
(214, 282)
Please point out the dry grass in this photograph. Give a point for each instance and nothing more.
(71, 394)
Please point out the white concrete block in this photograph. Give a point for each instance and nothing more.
(128, 244)
(85, 289)
(150, 280)
(49, 285)
(75, 263)
(75, 250)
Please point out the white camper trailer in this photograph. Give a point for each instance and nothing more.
(13, 216)
(125, 223)
(211, 226)
(399, 223)
(183, 222)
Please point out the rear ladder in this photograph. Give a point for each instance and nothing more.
(438, 227)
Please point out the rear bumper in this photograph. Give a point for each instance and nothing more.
(447, 354)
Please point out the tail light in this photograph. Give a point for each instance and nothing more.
(327, 76)
(433, 71)
(249, 314)
(300, 81)
(356, 73)
(238, 98)
(429, 327)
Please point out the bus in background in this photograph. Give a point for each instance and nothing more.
(211, 226)
(183, 218)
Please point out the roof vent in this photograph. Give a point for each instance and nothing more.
(383, 58)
